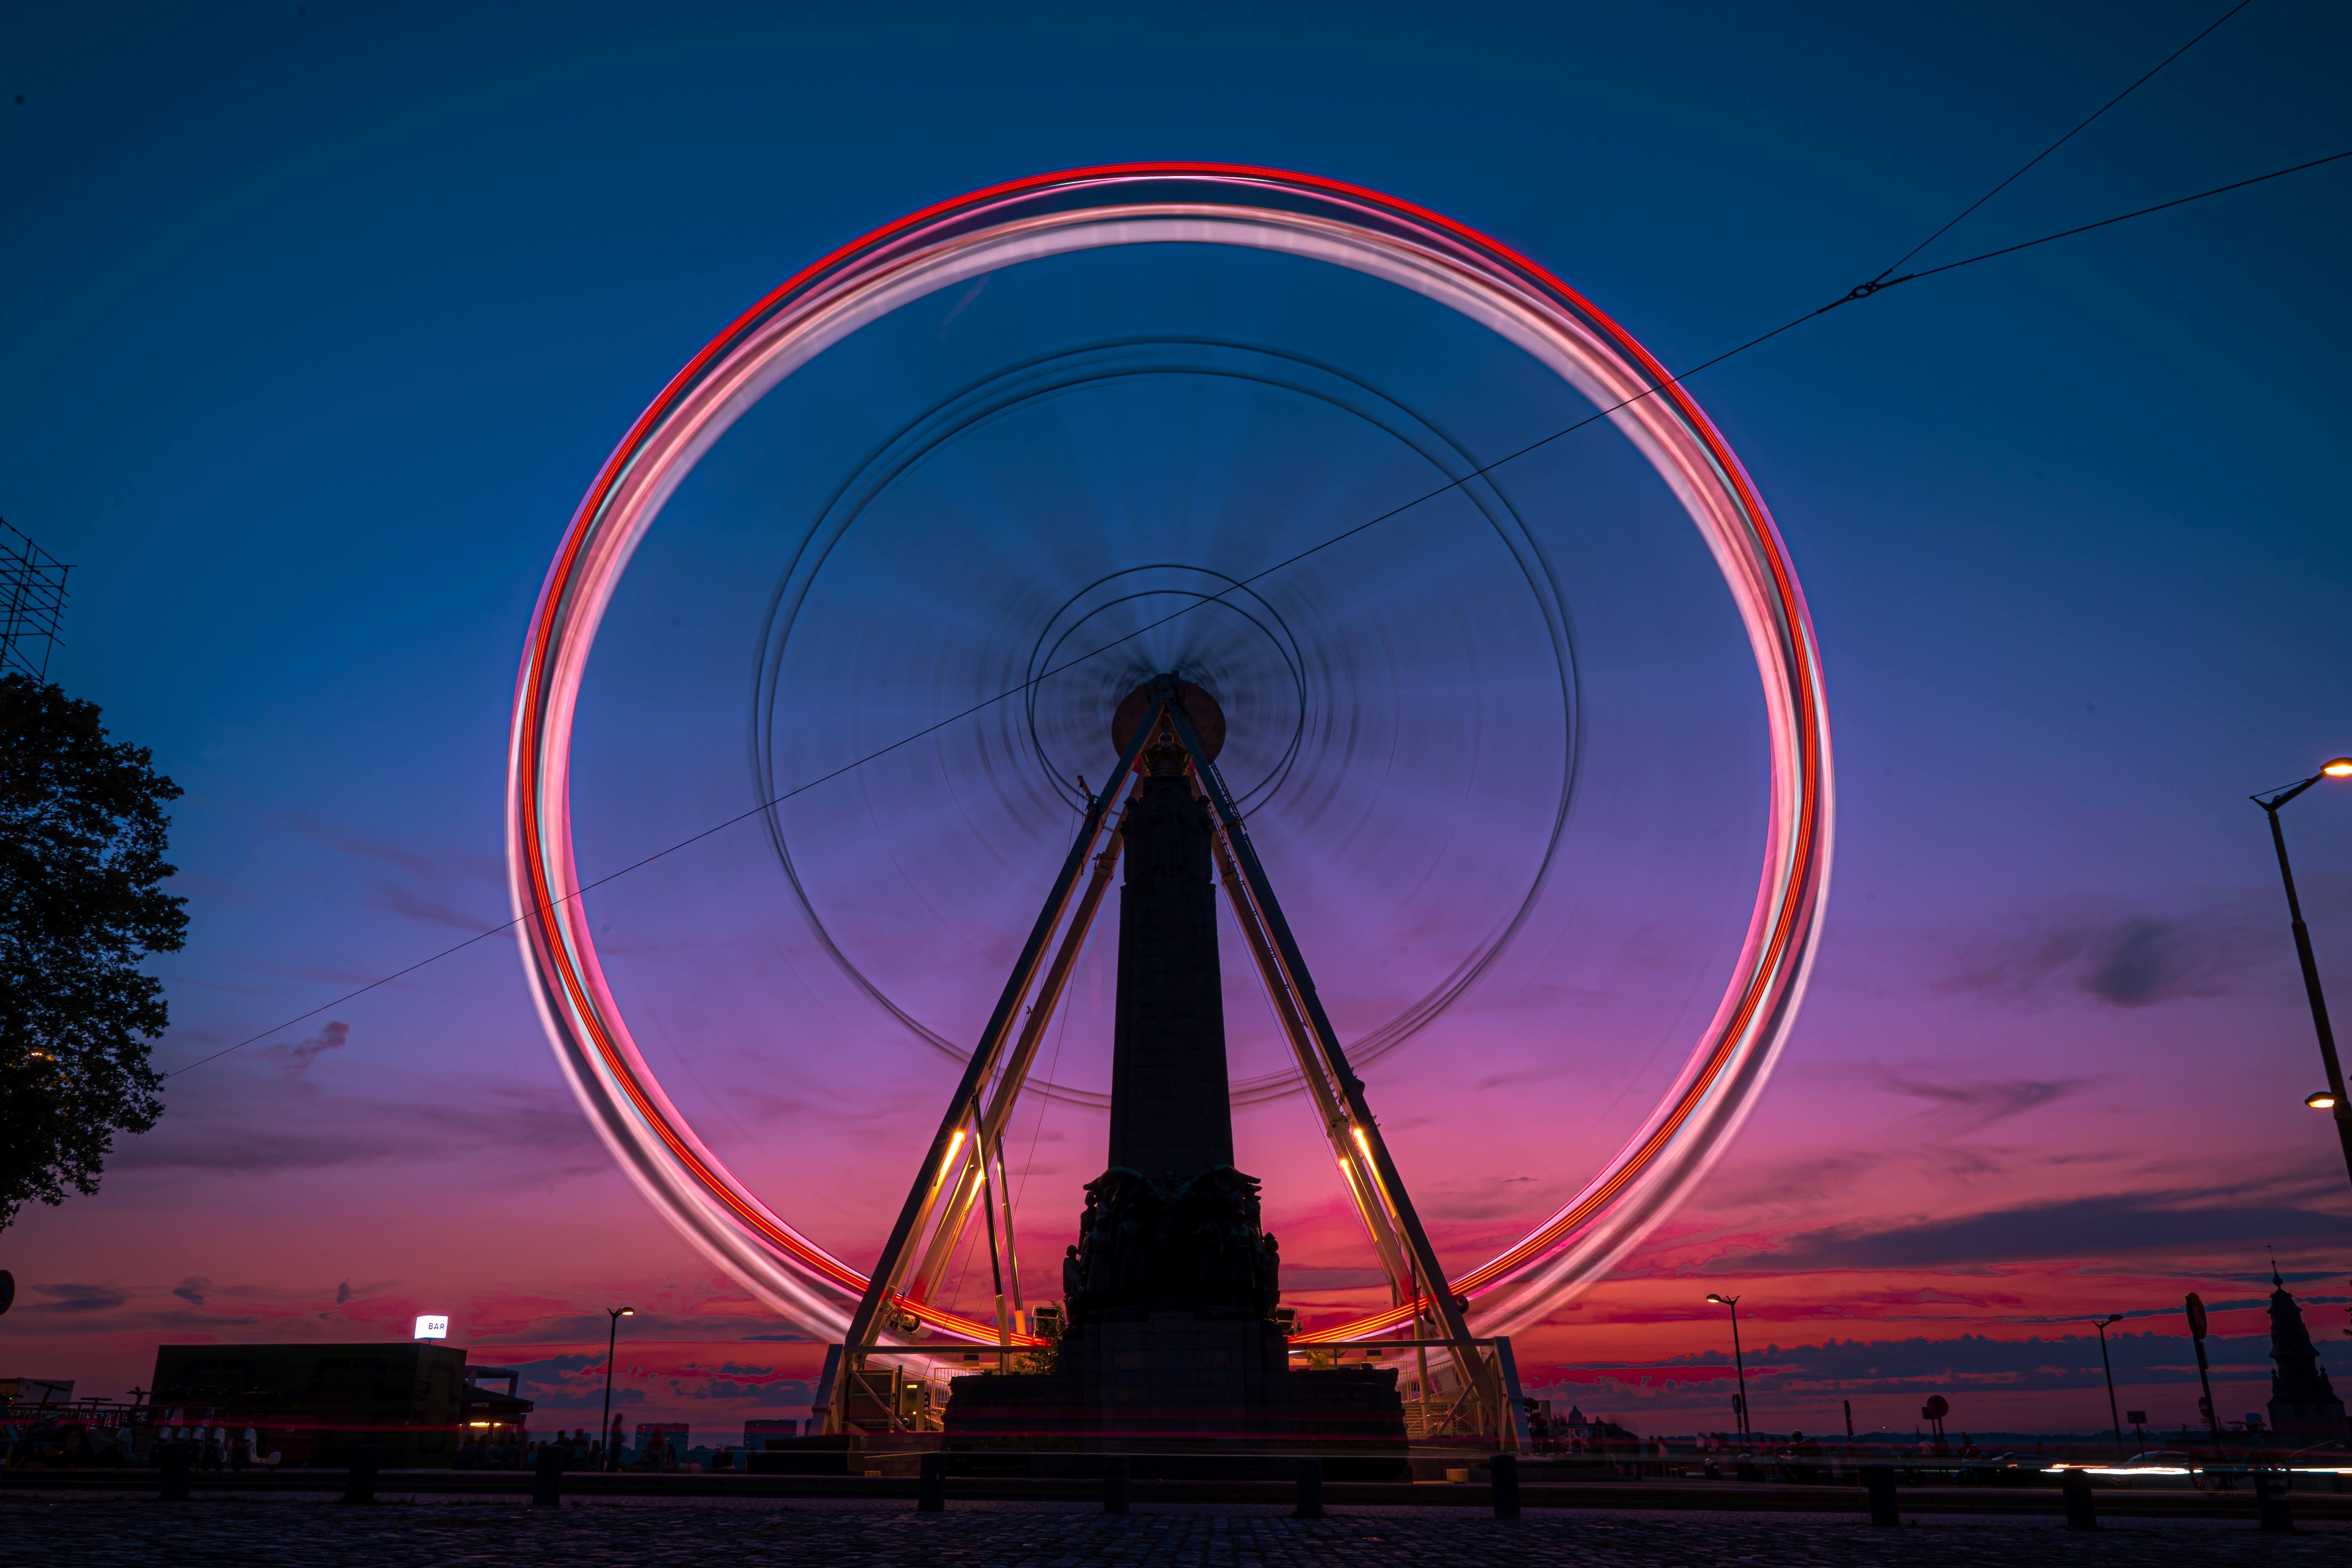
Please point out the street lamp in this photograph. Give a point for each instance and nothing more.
(2109, 1367)
(2339, 1104)
(1738, 1361)
(611, 1342)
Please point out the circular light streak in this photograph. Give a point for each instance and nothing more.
(1141, 203)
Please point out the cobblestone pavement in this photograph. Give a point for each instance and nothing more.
(301, 1533)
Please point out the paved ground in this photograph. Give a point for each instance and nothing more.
(302, 1533)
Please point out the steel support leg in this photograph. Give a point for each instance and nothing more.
(1330, 1112)
(955, 1209)
(963, 1107)
(1364, 1127)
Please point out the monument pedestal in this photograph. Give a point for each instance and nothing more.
(1184, 1382)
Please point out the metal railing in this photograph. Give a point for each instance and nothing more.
(1440, 1404)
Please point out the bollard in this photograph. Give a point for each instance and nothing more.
(174, 1460)
(2081, 1513)
(1879, 1481)
(360, 1486)
(931, 1483)
(2269, 1501)
(1311, 1490)
(1502, 1482)
(547, 1478)
(1115, 1484)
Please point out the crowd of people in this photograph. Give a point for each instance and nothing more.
(79, 1436)
(218, 1447)
(576, 1450)
(35, 1437)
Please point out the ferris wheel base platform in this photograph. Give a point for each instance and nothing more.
(1195, 1390)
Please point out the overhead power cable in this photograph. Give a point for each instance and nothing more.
(1865, 290)
(1861, 292)
(2078, 129)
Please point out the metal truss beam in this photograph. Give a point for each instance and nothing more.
(964, 1115)
(1330, 1109)
(997, 1116)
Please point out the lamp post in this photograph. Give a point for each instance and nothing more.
(2114, 1414)
(1738, 1361)
(2195, 1307)
(2338, 1103)
(612, 1343)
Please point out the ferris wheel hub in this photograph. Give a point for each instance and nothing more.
(1201, 709)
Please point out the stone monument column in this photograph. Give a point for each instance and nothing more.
(1171, 1226)
(1171, 1109)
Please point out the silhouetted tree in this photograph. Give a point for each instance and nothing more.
(82, 832)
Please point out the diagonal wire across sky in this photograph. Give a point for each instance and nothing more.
(1859, 292)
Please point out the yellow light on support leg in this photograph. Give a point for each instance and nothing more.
(1348, 1174)
(1372, 1169)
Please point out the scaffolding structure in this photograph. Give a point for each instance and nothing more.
(32, 603)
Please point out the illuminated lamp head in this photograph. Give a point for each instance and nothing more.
(2338, 767)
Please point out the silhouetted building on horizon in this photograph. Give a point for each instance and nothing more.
(2304, 1403)
(315, 1402)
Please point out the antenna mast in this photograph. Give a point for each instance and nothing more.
(32, 601)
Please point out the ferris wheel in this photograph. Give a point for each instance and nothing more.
(1361, 724)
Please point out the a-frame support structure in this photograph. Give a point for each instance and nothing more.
(965, 1160)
